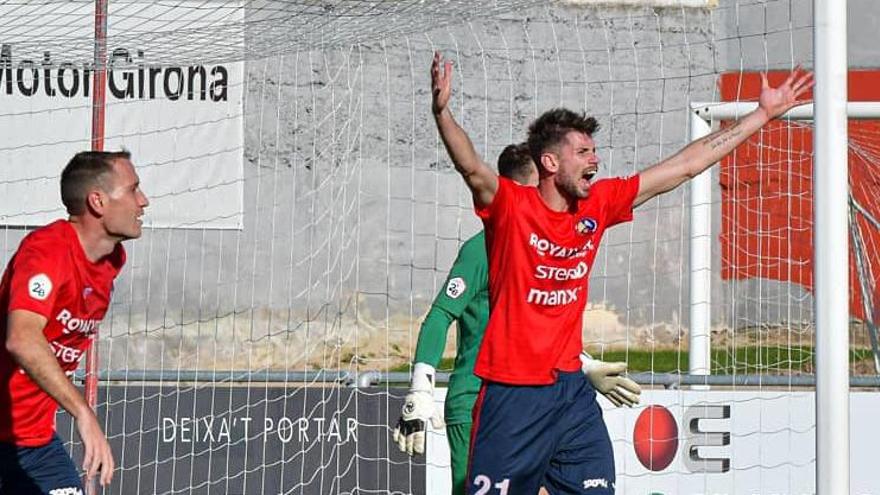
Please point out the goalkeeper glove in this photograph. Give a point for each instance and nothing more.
(418, 408)
(608, 379)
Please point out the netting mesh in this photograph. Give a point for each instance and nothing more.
(211, 31)
(352, 211)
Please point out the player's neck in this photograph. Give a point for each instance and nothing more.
(93, 239)
(555, 199)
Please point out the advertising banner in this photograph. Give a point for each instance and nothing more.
(253, 440)
(183, 123)
(716, 442)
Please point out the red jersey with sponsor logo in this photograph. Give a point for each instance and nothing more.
(50, 275)
(539, 267)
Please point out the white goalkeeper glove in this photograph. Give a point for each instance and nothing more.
(608, 379)
(418, 408)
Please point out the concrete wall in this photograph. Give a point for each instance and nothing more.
(785, 28)
(353, 212)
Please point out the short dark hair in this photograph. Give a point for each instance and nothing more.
(550, 129)
(515, 162)
(83, 172)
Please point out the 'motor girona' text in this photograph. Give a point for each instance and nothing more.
(128, 78)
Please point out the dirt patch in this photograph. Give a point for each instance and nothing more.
(277, 340)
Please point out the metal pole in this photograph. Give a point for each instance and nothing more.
(340, 378)
(855, 110)
(100, 75)
(700, 261)
(98, 105)
(831, 250)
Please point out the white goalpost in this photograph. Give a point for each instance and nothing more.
(703, 118)
(832, 268)
(830, 112)
(831, 249)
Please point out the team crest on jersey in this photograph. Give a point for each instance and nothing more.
(455, 287)
(40, 286)
(586, 226)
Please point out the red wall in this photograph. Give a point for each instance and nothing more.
(767, 184)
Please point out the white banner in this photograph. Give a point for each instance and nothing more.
(690, 442)
(182, 124)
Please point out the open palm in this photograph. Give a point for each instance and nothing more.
(441, 82)
(776, 101)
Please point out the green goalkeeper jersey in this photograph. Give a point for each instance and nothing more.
(464, 299)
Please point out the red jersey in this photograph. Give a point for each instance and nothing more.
(539, 267)
(50, 275)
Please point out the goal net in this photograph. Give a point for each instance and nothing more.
(304, 214)
(766, 242)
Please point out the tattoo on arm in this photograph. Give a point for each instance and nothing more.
(723, 137)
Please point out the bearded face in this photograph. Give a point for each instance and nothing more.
(578, 164)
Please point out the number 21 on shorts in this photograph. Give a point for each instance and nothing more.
(484, 484)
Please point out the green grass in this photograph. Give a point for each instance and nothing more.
(446, 365)
(745, 360)
(742, 360)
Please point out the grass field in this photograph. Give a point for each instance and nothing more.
(742, 360)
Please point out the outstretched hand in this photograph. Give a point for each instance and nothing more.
(441, 82)
(777, 101)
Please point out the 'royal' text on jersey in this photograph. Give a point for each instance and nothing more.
(71, 323)
(544, 248)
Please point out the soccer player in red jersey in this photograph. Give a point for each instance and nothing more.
(536, 420)
(54, 293)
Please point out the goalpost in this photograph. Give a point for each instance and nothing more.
(831, 240)
(304, 214)
(832, 296)
(832, 267)
(704, 117)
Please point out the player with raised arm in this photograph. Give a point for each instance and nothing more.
(54, 293)
(464, 299)
(536, 420)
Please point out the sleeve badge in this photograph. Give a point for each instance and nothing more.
(455, 287)
(40, 286)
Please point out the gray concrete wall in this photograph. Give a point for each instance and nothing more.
(754, 35)
(353, 212)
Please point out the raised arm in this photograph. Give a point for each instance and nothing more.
(479, 177)
(701, 154)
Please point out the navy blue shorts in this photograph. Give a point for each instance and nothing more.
(46, 470)
(525, 437)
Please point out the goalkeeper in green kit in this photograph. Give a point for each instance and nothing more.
(464, 298)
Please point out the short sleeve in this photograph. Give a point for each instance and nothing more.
(618, 196)
(37, 277)
(500, 203)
